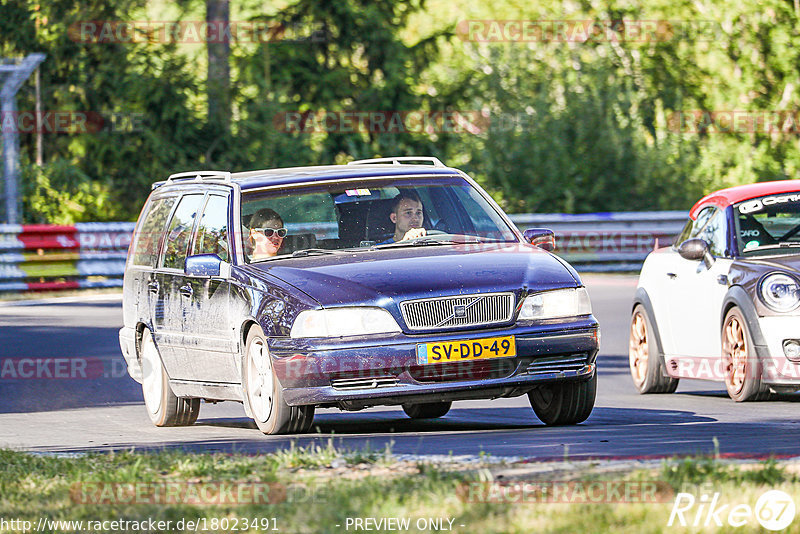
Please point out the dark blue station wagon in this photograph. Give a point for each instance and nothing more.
(395, 281)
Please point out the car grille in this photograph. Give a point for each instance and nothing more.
(364, 383)
(464, 310)
(572, 362)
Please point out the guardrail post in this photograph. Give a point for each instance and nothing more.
(15, 77)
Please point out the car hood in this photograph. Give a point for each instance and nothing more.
(789, 262)
(371, 277)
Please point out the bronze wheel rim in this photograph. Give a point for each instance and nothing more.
(638, 352)
(734, 352)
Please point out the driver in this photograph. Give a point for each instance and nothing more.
(407, 217)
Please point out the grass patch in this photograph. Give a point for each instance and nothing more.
(712, 470)
(322, 488)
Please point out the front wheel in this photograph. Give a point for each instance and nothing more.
(564, 403)
(742, 366)
(429, 410)
(163, 406)
(646, 363)
(263, 394)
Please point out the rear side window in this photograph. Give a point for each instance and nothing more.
(179, 232)
(148, 236)
(212, 232)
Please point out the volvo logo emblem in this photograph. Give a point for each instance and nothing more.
(459, 311)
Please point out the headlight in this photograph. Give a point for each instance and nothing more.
(340, 322)
(558, 303)
(780, 292)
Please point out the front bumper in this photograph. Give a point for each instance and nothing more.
(355, 374)
(777, 369)
(127, 343)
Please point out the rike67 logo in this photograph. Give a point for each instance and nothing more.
(774, 510)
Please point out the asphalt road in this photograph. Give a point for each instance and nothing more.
(103, 408)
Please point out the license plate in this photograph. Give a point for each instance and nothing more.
(470, 349)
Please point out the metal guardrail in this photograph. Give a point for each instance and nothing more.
(48, 257)
(607, 242)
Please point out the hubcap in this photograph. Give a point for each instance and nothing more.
(152, 374)
(259, 381)
(637, 348)
(735, 353)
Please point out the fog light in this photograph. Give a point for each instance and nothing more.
(791, 349)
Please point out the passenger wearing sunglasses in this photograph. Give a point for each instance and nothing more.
(266, 234)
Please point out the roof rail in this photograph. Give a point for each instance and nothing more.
(199, 176)
(399, 160)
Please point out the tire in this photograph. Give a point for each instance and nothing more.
(428, 410)
(648, 371)
(163, 407)
(263, 394)
(739, 359)
(564, 403)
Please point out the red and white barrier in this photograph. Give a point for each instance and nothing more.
(39, 257)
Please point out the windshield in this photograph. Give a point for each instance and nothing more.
(769, 225)
(367, 215)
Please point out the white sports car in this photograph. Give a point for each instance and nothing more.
(723, 303)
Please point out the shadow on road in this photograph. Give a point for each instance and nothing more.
(608, 364)
(469, 420)
(504, 432)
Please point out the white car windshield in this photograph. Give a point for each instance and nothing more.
(769, 224)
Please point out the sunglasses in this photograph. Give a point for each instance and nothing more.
(269, 232)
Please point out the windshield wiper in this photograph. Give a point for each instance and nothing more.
(430, 240)
(433, 241)
(773, 247)
(310, 251)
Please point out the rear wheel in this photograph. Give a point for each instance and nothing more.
(648, 371)
(263, 394)
(429, 410)
(742, 366)
(564, 403)
(163, 407)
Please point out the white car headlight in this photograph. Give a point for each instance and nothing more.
(340, 322)
(780, 292)
(558, 303)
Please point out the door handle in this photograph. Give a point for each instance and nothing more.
(152, 286)
(186, 290)
(672, 276)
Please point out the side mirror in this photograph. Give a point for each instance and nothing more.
(543, 238)
(206, 266)
(696, 249)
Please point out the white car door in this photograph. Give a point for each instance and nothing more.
(666, 290)
(697, 293)
(660, 287)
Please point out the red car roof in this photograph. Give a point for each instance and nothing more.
(733, 195)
